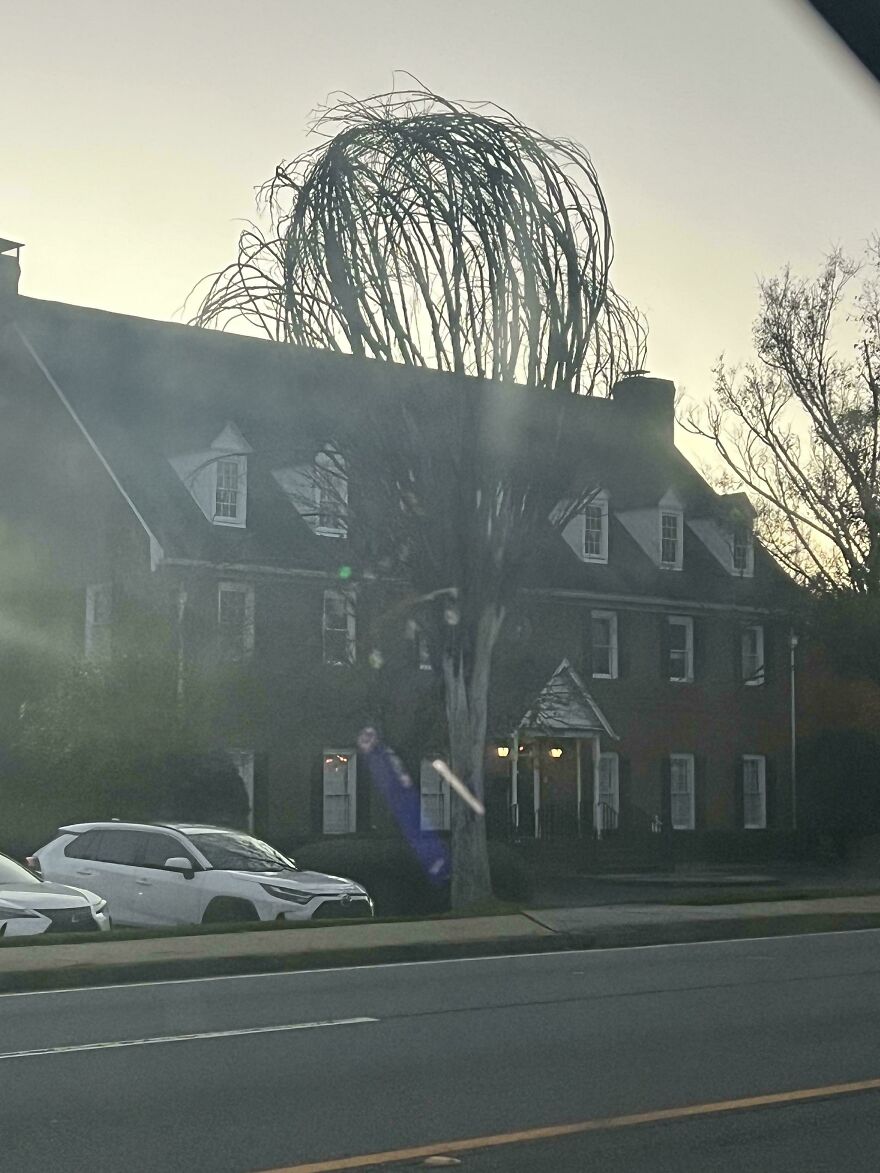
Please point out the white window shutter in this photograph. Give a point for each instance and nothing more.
(434, 807)
(340, 793)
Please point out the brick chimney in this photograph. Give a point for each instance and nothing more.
(646, 407)
(10, 271)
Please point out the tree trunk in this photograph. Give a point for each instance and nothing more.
(466, 717)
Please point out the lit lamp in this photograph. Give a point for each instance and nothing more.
(503, 751)
(555, 751)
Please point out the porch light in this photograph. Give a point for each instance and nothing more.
(555, 751)
(503, 751)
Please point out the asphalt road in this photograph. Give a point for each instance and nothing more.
(443, 1051)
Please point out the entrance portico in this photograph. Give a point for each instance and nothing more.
(556, 787)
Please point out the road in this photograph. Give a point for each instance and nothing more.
(290, 1069)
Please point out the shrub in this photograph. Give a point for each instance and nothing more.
(392, 875)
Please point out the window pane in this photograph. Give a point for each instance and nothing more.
(158, 848)
(119, 847)
(593, 516)
(669, 537)
(226, 502)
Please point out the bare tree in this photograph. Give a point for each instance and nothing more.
(800, 424)
(433, 234)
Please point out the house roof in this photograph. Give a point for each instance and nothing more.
(147, 391)
(564, 708)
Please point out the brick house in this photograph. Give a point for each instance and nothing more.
(642, 682)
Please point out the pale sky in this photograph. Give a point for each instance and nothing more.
(730, 136)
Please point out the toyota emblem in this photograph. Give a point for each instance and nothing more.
(346, 898)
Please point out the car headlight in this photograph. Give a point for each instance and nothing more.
(99, 906)
(288, 894)
(16, 913)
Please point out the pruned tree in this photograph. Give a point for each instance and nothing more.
(439, 235)
(799, 425)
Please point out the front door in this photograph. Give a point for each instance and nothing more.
(163, 897)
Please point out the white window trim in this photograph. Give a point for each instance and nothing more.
(688, 759)
(328, 462)
(687, 623)
(600, 500)
(92, 625)
(240, 519)
(678, 514)
(350, 795)
(751, 825)
(426, 821)
(756, 679)
(612, 616)
(245, 588)
(351, 627)
(747, 571)
(613, 762)
(243, 760)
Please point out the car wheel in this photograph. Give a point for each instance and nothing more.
(226, 910)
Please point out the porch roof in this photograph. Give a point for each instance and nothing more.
(564, 708)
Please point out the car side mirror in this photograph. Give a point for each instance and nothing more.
(179, 863)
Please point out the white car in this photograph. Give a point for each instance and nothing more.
(29, 905)
(168, 874)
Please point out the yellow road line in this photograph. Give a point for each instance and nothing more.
(599, 1125)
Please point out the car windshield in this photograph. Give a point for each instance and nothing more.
(225, 849)
(15, 874)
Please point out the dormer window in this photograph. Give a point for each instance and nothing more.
(671, 539)
(216, 477)
(596, 529)
(229, 491)
(331, 495)
(587, 530)
(743, 551)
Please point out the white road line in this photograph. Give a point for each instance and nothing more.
(206, 1034)
(545, 953)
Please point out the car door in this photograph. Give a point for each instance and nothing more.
(164, 897)
(110, 871)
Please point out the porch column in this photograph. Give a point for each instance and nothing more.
(597, 820)
(536, 789)
(514, 785)
(580, 788)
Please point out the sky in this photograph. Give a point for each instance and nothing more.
(729, 137)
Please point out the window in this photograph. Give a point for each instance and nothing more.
(243, 760)
(753, 655)
(331, 495)
(434, 809)
(681, 647)
(608, 792)
(754, 776)
(603, 626)
(235, 619)
(99, 615)
(743, 550)
(596, 529)
(339, 628)
(229, 492)
(670, 539)
(340, 794)
(155, 849)
(681, 788)
(121, 847)
(84, 846)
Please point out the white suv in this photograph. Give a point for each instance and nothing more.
(168, 874)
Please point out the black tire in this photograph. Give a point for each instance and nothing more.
(228, 910)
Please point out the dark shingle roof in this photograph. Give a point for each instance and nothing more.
(148, 390)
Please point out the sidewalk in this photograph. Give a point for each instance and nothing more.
(99, 962)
